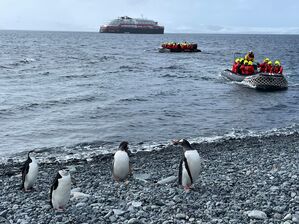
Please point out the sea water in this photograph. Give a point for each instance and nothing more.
(89, 90)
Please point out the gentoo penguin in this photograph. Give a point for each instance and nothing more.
(61, 190)
(29, 172)
(121, 162)
(190, 165)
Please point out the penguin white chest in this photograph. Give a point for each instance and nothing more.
(61, 195)
(31, 176)
(194, 164)
(121, 164)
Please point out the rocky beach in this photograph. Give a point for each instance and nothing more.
(243, 180)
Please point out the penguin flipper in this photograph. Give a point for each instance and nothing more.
(188, 170)
(51, 197)
(112, 167)
(25, 170)
(54, 187)
(180, 171)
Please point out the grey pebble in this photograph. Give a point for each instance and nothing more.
(180, 216)
(80, 204)
(133, 220)
(222, 195)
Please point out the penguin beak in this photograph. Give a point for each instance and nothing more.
(175, 142)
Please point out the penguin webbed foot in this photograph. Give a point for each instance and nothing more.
(60, 209)
(187, 188)
(28, 189)
(117, 179)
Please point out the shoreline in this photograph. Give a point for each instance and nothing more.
(238, 176)
(89, 150)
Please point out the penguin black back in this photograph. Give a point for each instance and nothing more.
(184, 160)
(54, 186)
(25, 169)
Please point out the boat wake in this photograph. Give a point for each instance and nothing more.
(246, 83)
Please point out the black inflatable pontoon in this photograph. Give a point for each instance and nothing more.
(261, 81)
(167, 50)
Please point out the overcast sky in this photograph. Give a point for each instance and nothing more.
(198, 16)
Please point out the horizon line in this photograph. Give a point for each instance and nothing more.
(216, 33)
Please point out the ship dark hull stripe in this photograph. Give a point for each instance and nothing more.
(132, 30)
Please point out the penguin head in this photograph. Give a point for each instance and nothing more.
(183, 142)
(123, 146)
(32, 154)
(64, 172)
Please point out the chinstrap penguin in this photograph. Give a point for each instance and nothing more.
(29, 172)
(190, 165)
(121, 162)
(61, 190)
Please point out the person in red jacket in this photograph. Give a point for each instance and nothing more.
(269, 67)
(277, 69)
(236, 65)
(239, 66)
(243, 68)
(263, 65)
(250, 68)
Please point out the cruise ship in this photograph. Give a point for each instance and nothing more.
(127, 24)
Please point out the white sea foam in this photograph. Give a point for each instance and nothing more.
(88, 151)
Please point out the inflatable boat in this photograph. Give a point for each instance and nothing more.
(167, 50)
(178, 47)
(261, 81)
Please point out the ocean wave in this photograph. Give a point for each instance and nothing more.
(6, 67)
(275, 107)
(294, 85)
(164, 93)
(129, 68)
(241, 134)
(45, 73)
(133, 99)
(188, 75)
(27, 60)
(106, 58)
(170, 67)
(46, 104)
(20, 62)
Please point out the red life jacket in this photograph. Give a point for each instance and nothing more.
(235, 67)
(249, 70)
(263, 67)
(277, 69)
(269, 68)
(243, 69)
